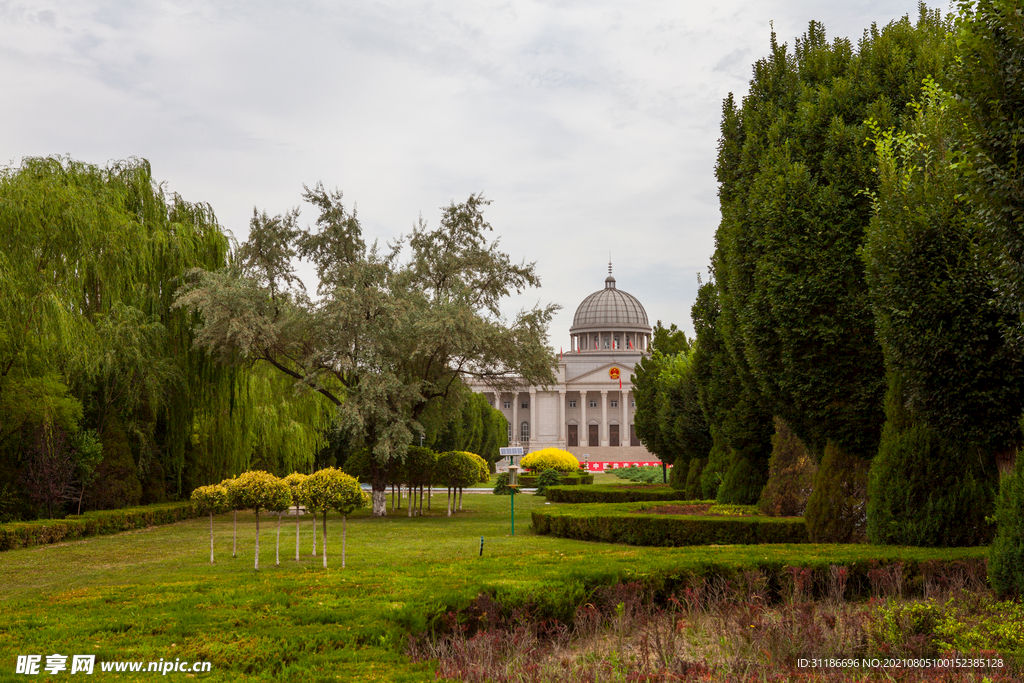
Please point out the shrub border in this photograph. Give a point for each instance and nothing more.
(614, 493)
(620, 523)
(99, 523)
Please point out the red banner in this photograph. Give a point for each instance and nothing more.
(602, 466)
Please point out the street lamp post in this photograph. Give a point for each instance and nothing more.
(513, 488)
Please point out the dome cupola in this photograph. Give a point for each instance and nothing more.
(610, 320)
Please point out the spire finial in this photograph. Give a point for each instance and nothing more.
(609, 263)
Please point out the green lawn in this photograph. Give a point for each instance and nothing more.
(152, 594)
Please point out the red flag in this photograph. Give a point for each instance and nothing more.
(629, 342)
(559, 353)
(620, 384)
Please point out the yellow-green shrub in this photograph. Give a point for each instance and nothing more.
(550, 459)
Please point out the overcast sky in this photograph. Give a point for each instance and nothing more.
(591, 125)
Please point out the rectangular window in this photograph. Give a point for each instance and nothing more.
(524, 404)
(593, 403)
(524, 432)
(615, 403)
(572, 403)
(633, 403)
(509, 433)
(508, 404)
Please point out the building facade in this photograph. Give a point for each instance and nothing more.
(589, 410)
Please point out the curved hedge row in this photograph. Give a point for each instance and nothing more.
(616, 493)
(530, 480)
(618, 523)
(98, 523)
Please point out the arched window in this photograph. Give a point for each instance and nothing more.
(524, 432)
(616, 344)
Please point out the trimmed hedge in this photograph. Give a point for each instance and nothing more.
(618, 523)
(99, 523)
(530, 480)
(617, 493)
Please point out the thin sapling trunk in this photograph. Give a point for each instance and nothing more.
(277, 551)
(314, 532)
(257, 539)
(460, 499)
(296, 532)
(324, 542)
(343, 538)
(211, 537)
(234, 535)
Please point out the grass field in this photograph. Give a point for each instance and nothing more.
(152, 594)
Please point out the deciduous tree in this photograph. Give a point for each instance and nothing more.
(386, 338)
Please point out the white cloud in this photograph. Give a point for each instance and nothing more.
(593, 127)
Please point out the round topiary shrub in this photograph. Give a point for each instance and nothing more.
(550, 459)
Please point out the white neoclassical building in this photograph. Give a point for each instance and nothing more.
(589, 411)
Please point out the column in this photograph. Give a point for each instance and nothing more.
(533, 416)
(603, 429)
(624, 424)
(584, 425)
(561, 417)
(515, 419)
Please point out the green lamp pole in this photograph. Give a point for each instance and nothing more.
(513, 487)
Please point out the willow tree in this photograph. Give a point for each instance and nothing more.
(87, 260)
(385, 338)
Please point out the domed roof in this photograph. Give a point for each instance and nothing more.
(610, 307)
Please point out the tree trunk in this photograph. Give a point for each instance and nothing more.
(211, 538)
(277, 551)
(430, 494)
(380, 502)
(257, 539)
(324, 542)
(314, 532)
(343, 534)
(392, 496)
(411, 497)
(296, 533)
(399, 487)
(234, 535)
(460, 499)
(82, 493)
(449, 501)
(421, 500)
